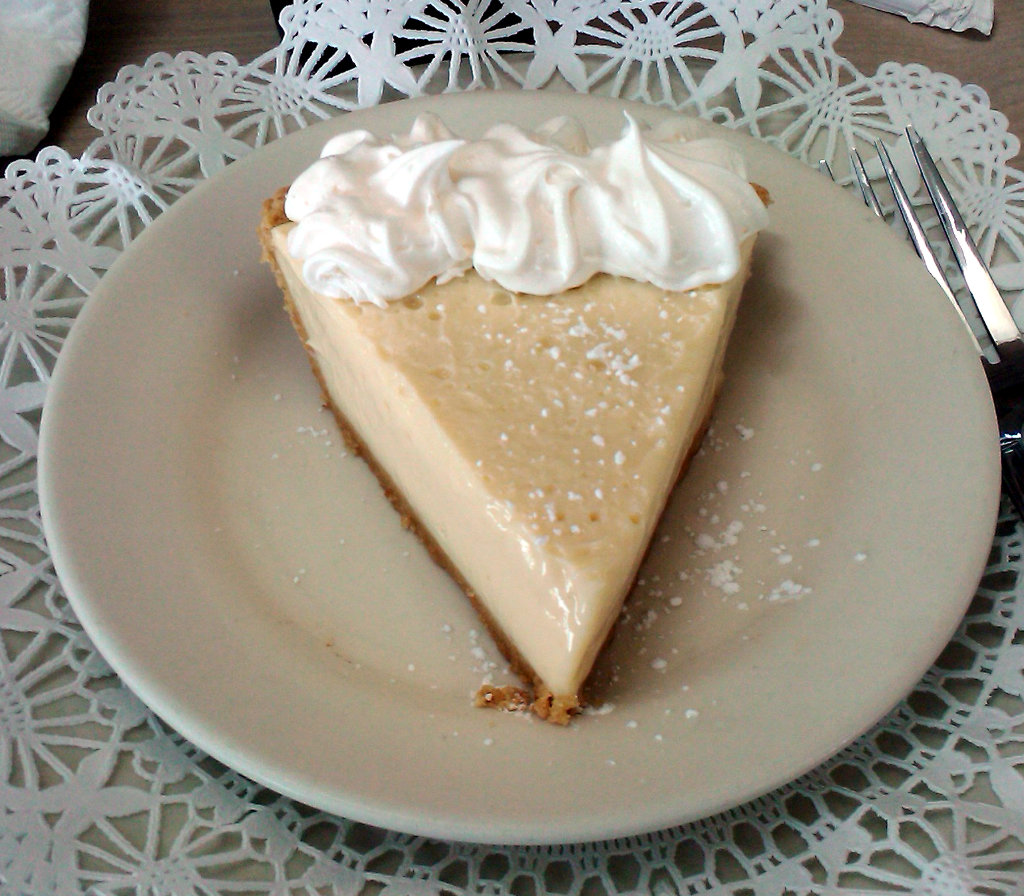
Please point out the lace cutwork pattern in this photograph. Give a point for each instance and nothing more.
(96, 795)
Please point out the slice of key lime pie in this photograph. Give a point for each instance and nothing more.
(523, 335)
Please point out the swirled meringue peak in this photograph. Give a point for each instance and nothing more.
(536, 213)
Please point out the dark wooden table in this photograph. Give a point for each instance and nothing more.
(122, 32)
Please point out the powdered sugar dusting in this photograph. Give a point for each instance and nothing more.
(714, 558)
(721, 562)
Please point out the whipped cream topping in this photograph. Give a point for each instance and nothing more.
(536, 213)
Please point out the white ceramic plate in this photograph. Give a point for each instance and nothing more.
(247, 579)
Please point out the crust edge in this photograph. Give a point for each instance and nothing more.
(551, 707)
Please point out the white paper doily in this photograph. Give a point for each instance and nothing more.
(97, 796)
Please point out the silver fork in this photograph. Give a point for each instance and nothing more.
(1006, 372)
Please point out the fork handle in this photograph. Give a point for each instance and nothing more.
(1011, 450)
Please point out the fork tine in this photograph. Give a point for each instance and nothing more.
(994, 313)
(864, 182)
(917, 233)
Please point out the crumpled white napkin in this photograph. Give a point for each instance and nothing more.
(956, 15)
(40, 40)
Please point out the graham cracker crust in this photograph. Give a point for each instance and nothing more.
(539, 699)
